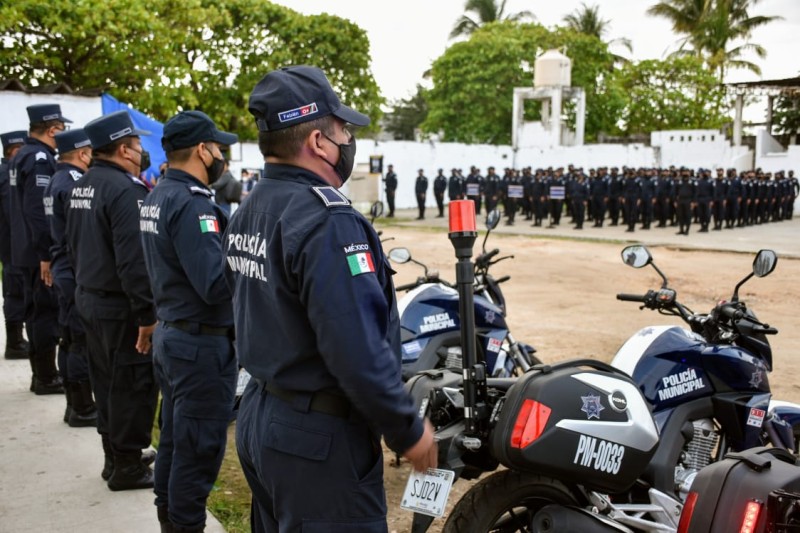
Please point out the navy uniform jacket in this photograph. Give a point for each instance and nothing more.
(182, 230)
(56, 198)
(390, 181)
(31, 170)
(5, 219)
(421, 185)
(103, 236)
(314, 302)
(720, 189)
(440, 184)
(705, 189)
(598, 187)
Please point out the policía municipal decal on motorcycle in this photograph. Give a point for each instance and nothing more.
(436, 322)
(676, 385)
(592, 406)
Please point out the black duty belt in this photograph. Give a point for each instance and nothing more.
(324, 402)
(195, 328)
(102, 293)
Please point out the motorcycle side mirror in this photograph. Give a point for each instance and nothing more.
(376, 209)
(764, 263)
(492, 219)
(399, 255)
(636, 256)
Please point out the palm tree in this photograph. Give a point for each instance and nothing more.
(712, 27)
(485, 11)
(587, 20)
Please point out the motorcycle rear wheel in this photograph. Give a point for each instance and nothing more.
(506, 502)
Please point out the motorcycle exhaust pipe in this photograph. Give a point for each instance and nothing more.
(558, 519)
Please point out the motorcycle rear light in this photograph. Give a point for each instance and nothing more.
(530, 424)
(686, 515)
(750, 520)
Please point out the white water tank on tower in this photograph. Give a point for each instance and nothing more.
(552, 69)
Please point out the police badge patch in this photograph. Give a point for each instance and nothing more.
(592, 406)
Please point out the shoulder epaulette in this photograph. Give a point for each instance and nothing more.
(194, 189)
(330, 196)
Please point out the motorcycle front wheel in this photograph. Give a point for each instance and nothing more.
(506, 502)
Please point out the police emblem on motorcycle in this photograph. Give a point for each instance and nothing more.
(756, 379)
(489, 316)
(592, 406)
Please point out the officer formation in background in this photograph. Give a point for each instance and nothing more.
(650, 197)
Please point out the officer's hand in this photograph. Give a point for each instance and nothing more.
(143, 343)
(47, 277)
(425, 453)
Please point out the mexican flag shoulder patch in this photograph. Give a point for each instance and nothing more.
(359, 259)
(209, 224)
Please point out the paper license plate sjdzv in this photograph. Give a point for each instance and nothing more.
(427, 492)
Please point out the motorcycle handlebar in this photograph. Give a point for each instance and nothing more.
(502, 280)
(730, 312)
(631, 297)
(406, 287)
(486, 257)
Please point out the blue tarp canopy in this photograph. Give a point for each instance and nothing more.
(151, 143)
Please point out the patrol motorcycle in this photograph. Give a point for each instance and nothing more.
(708, 392)
(430, 325)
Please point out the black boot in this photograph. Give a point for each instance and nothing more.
(130, 473)
(163, 520)
(16, 345)
(108, 462)
(84, 412)
(47, 379)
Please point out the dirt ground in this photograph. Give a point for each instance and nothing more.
(561, 299)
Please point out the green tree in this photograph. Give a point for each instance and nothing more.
(786, 115)
(677, 93)
(473, 81)
(162, 56)
(587, 20)
(484, 12)
(716, 30)
(407, 115)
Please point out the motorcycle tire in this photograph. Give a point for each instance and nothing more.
(506, 502)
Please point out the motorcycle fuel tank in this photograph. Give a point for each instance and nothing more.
(672, 365)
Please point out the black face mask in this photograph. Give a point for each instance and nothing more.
(215, 169)
(347, 155)
(144, 160)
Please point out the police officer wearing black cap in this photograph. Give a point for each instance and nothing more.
(439, 186)
(30, 172)
(421, 192)
(316, 324)
(193, 352)
(390, 186)
(114, 298)
(74, 158)
(13, 277)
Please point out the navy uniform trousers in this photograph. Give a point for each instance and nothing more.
(13, 293)
(74, 364)
(197, 375)
(280, 442)
(125, 389)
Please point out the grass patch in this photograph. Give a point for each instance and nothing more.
(229, 500)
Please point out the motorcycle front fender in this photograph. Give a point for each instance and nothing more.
(784, 421)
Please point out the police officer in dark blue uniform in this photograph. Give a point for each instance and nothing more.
(735, 200)
(473, 188)
(632, 199)
(615, 186)
(439, 187)
(719, 199)
(579, 194)
(74, 158)
(491, 189)
(598, 189)
(421, 192)
(13, 277)
(316, 324)
(705, 195)
(113, 297)
(686, 197)
(390, 186)
(30, 172)
(193, 343)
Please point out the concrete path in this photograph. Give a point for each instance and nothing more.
(50, 473)
(783, 237)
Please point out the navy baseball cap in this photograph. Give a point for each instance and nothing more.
(13, 137)
(190, 128)
(292, 95)
(67, 141)
(105, 130)
(44, 112)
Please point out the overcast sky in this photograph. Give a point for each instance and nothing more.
(405, 37)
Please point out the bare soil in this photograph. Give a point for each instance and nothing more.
(562, 299)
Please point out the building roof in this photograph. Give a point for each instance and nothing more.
(55, 88)
(784, 86)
